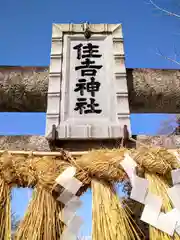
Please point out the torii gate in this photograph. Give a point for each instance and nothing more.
(24, 89)
(87, 101)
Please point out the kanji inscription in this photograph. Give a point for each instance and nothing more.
(87, 54)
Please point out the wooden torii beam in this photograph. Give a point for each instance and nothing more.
(24, 89)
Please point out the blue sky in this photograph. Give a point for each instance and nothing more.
(34, 123)
(25, 28)
(25, 39)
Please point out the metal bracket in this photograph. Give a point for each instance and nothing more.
(54, 138)
(86, 29)
(125, 136)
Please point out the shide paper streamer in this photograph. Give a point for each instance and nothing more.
(167, 222)
(174, 193)
(72, 203)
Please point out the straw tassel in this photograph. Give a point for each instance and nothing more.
(159, 186)
(110, 220)
(5, 211)
(41, 221)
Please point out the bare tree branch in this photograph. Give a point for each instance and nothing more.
(170, 14)
(168, 58)
(176, 54)
(164, 10)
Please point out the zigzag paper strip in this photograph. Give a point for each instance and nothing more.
(152, 214)
(174, 193)
(72, 203)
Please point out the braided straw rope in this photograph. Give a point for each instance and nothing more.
(21, 169)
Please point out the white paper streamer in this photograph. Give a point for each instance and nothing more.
(139, 189)
(75, 225)
(153, 200)
(129, 166)
(73, 185)
(69, 211)
(139, 185)
(66, 215)
(72, 203)
(65, 196)
(130, 160)
(152, 209)
(178, 229)
(175, 176)
(66, 176)
(175, 215)
(149, 215)
(67, 235)
(174, 193)
(166, 223)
